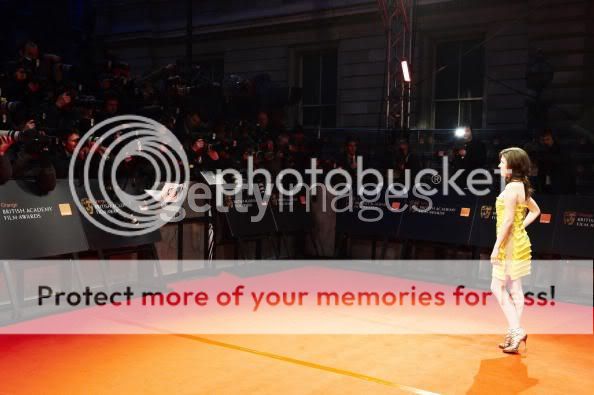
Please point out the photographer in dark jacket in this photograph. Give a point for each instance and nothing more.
(63, 155)
(471, 154)
(69, 140)
(189, 125)
(58, 113)
(404, 160)
(110, 108)
(468, 156)
(555, 170)
(348, 160)
(32, 158)
(16, 86)
(202, 155)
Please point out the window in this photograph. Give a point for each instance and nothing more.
(319, 83)
(458, 94)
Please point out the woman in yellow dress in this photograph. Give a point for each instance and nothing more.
(512, 254)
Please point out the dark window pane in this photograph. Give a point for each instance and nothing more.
(329, 78)
(311, 116)
(472, 70)
(311, 79)
(471, 113)
(329, 117)
(461, 77)
(447, 62)
(446, 115)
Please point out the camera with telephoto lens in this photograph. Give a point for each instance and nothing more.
(33, 140)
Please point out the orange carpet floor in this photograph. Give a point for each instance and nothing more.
(292, 364)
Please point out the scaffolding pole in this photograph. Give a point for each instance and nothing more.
(397, 19)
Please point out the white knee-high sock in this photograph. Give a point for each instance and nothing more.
(505, 302)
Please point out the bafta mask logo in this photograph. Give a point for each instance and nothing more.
(569, 218)
(88, 205)
(229, 201)
(172, 193)
(486, 212)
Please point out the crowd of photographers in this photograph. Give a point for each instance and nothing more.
(47, 105)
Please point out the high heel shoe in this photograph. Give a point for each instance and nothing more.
(506, 340)
(518, 336)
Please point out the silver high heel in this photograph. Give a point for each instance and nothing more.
(518, 336)
(506, 340)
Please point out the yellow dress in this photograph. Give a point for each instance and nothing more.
(515, 253)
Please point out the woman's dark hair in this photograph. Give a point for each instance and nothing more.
(518, 162)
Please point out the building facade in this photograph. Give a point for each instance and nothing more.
(469, 66)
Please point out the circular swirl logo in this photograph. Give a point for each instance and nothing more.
(116, 151)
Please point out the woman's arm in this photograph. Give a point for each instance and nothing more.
(510, 200)
(534, 212)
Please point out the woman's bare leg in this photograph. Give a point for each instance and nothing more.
(505, 302)
(517, 295)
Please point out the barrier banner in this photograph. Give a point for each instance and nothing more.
(33, 226)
